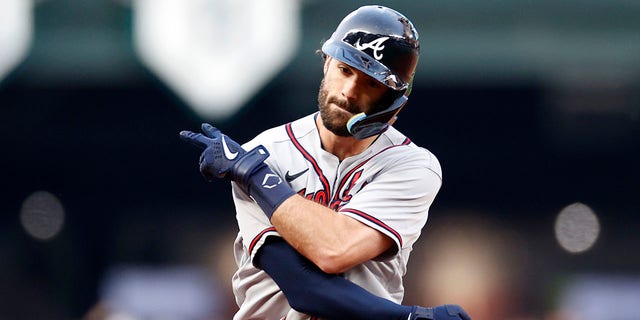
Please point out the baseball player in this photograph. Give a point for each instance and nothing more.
(330, 205)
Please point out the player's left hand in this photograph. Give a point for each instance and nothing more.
(220, 153)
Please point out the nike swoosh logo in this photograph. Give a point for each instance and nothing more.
(227, 153)
(291, 177)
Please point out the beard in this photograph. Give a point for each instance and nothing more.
(335, 120)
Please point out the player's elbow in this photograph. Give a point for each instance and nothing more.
(332, 267)
(331, 262)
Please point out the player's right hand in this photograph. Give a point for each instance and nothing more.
(443, 312)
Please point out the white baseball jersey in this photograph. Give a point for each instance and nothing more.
(388, 187)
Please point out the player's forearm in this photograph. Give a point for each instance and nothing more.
(334, 242)
(311, 291)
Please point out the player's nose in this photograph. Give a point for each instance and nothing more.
(350, 89)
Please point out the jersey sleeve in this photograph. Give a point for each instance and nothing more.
(254, 226)
(397, 198)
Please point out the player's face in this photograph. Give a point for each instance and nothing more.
(345, 92)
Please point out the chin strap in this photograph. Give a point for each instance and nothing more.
(362, 126)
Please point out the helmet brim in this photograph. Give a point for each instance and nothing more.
(363, 62)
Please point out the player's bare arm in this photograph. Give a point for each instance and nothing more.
(333, 241)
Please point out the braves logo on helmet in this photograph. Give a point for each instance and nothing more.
(371, 44)
(376, 45)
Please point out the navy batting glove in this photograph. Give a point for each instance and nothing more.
(220, 153)
(443, 312)
(224, 158)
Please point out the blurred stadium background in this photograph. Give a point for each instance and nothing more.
(533, 108)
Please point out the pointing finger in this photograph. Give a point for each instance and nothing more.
(210, 131)
(197, 139)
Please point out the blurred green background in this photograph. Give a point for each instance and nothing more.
(532, 107)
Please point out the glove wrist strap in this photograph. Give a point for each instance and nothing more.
(260, 182)
(268, 190)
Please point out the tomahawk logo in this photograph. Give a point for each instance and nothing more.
(376, 45)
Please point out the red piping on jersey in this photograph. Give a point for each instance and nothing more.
(375, 221)
(258, 237)
(314, 163)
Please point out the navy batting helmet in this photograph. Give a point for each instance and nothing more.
(383, 44)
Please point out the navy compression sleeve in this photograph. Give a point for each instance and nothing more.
(312, 291)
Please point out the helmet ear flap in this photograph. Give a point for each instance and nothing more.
(362, 126)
